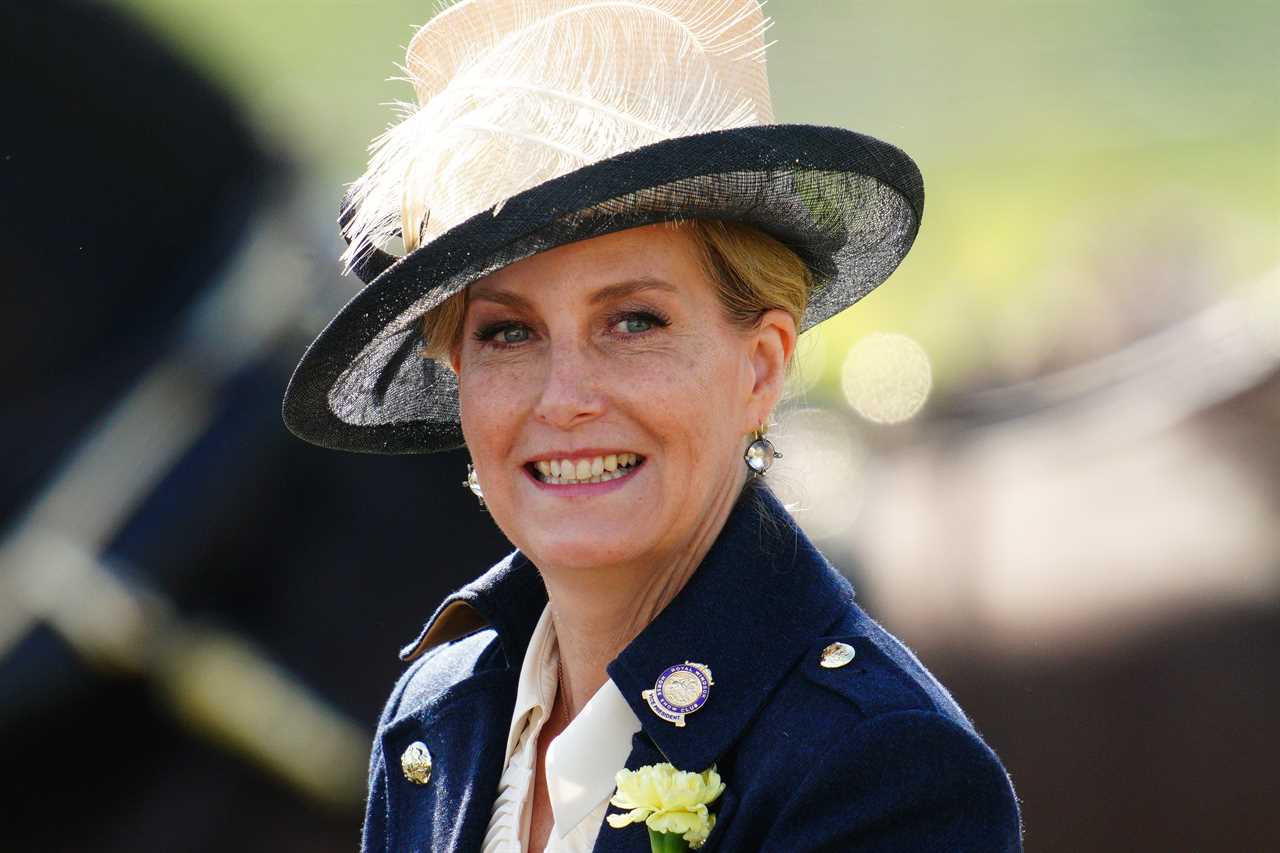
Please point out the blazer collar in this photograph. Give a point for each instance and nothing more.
(761, 594)
(508, 597)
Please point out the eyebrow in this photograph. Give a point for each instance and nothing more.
(609, 292)
(626, 288)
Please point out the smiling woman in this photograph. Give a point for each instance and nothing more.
(609, 254)
(617, 346)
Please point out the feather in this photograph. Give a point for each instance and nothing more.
(512, 94)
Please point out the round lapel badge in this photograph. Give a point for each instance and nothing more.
(416, 763)
(680, 690)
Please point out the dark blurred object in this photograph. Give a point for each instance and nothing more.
(1163, 742)
(245, 591)
(125, 181)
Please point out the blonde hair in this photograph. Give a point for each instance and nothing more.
(752, 273)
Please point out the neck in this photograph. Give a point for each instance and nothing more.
(598, 612)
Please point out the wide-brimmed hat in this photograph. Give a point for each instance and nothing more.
(542, 122)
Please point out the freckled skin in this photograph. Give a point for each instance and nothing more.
(685, 396)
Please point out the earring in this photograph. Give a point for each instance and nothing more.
(760, 453)
(473, 484)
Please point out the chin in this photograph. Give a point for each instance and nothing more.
(576, 548)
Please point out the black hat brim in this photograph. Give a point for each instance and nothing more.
(850, 206)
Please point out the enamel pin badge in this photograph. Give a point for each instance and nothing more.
(680, 690)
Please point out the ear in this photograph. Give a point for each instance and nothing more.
(455, 362)
(770, 347)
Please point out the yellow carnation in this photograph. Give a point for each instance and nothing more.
(668, 800)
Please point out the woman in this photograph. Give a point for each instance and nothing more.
(609, 253)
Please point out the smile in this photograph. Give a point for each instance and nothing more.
(586, 469)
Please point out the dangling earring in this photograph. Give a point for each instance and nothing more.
(473, 484)
(760, 453)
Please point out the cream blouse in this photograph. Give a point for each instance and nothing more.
(581, 762)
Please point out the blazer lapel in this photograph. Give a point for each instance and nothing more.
(465, 729)
(760, 596)
(466, 734)
(635, 838)
(723, 809)
(720, 618)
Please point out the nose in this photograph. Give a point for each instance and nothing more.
(571, 392)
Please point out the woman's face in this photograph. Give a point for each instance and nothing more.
(606, 400)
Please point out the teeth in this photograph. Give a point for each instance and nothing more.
(598, 469)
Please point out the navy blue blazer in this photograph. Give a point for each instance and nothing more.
(870, 756)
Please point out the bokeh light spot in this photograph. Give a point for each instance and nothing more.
(886, 377)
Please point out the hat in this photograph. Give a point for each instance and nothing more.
(541, 122)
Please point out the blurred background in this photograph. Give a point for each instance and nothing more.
(1046, 452)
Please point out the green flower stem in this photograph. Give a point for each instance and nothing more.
(667, 842)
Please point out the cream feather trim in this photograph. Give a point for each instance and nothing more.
(512, 93)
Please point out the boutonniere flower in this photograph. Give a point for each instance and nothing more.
(672, 804)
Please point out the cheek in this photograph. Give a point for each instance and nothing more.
(490, 401)
(697, 397)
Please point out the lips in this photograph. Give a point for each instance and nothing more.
(563, 471)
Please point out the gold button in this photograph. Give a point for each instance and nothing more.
(416, 763)
(836, 655)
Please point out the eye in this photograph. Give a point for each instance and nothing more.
(636, 322)
(503, 334)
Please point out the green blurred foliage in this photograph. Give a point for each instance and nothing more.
(1053, 136)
